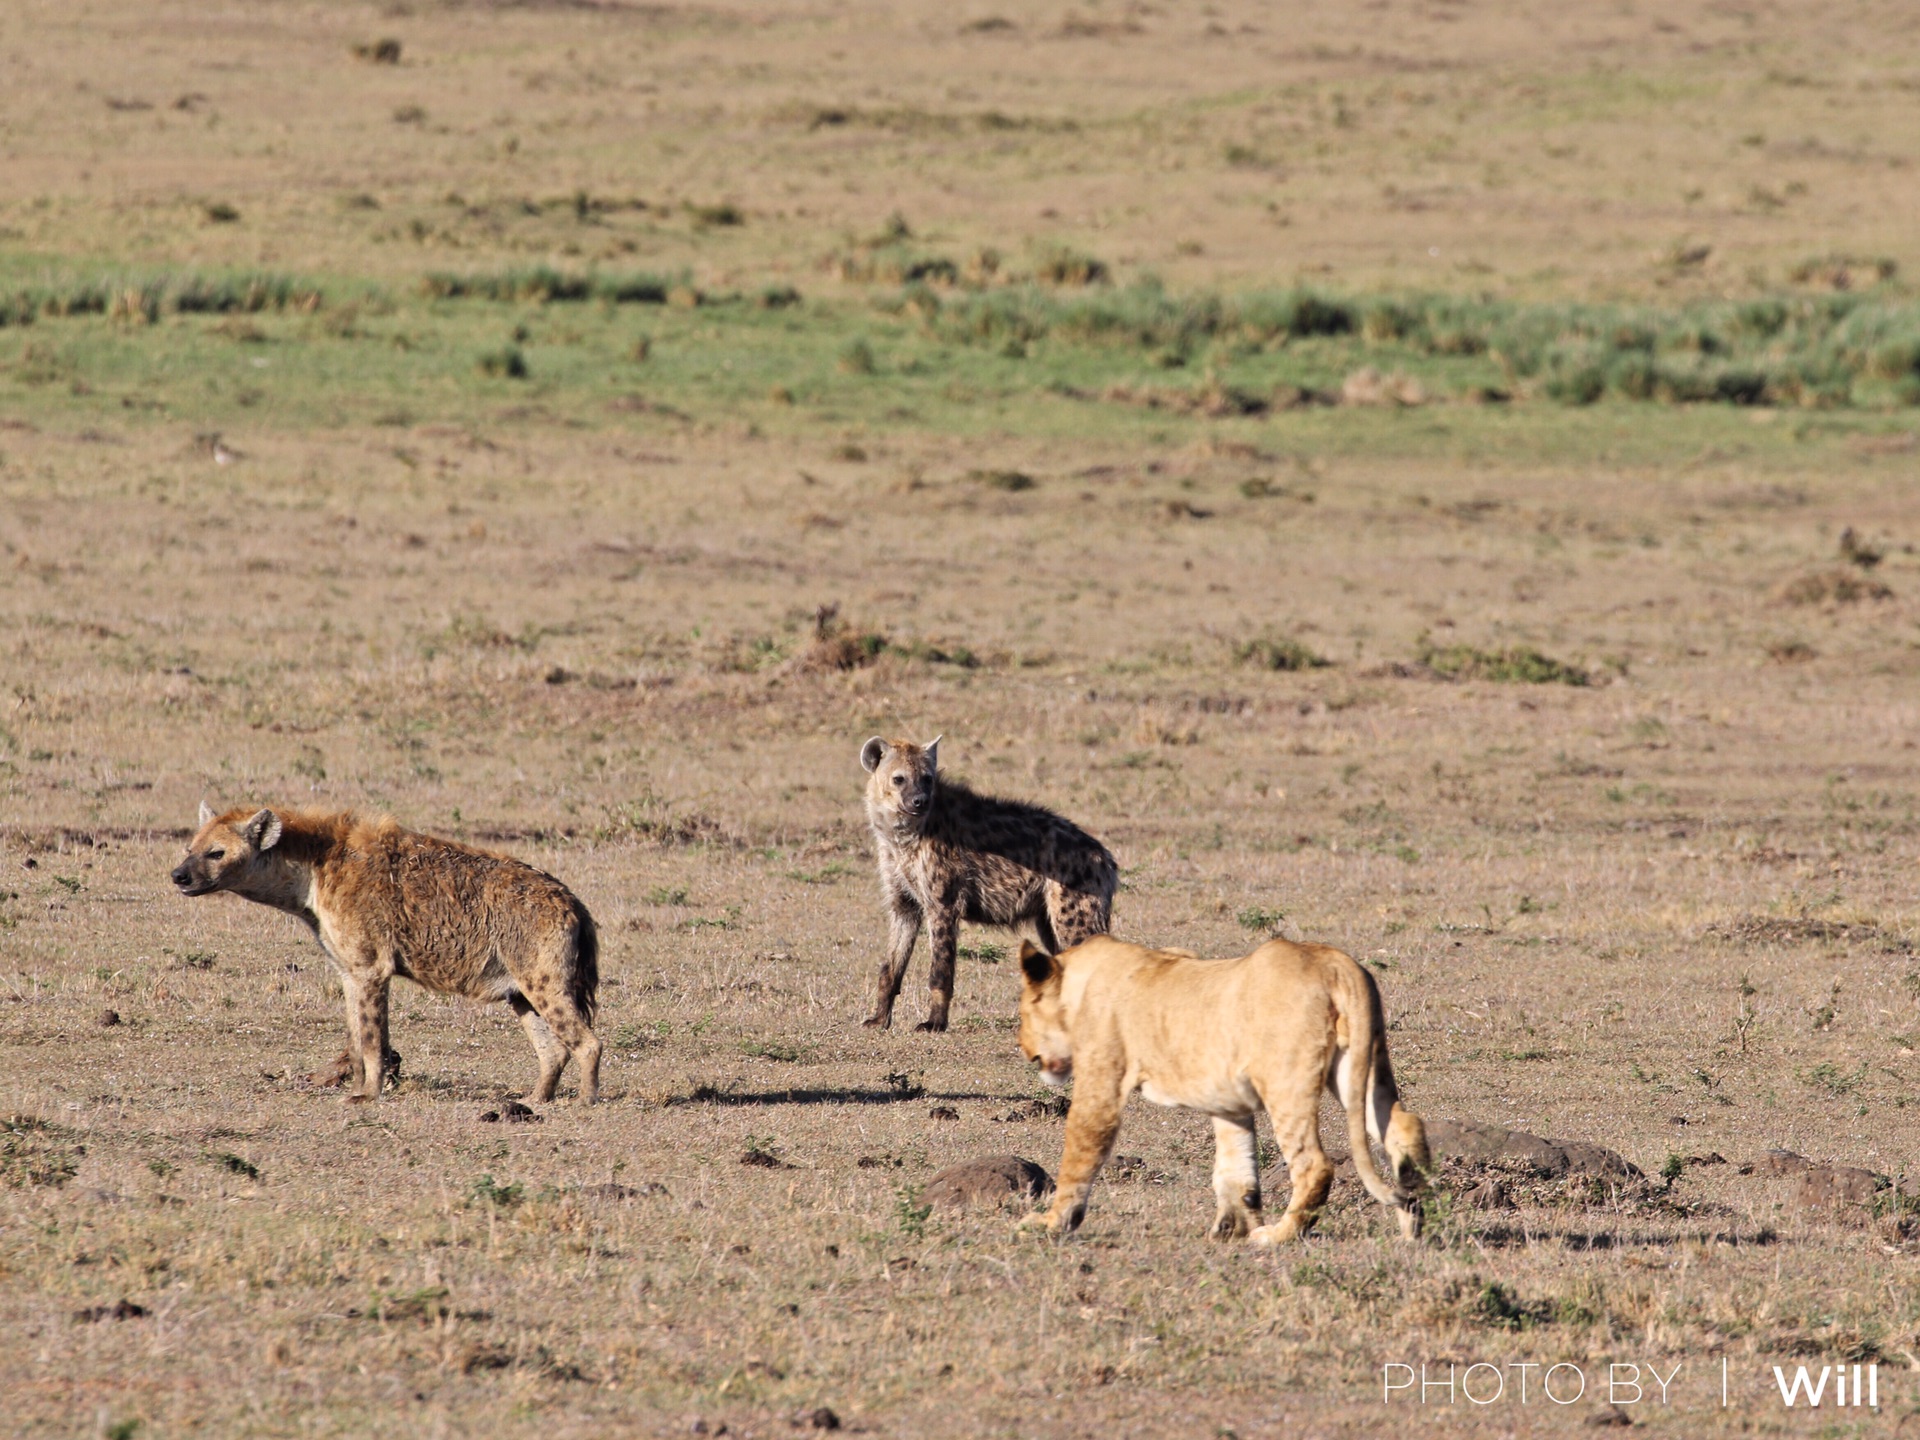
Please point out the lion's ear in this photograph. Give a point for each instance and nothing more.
(1036, 964)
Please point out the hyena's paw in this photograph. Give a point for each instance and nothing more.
(878, 1022)
(932, 1025)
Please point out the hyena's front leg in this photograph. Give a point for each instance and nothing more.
(943, 947)
(367, 1032)
(903, 928)
(1092, 1124)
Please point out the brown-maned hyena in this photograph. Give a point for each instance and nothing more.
(386, 901)
(947, 855)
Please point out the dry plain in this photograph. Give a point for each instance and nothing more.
(333, 545)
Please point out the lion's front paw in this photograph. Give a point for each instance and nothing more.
(1039, 1221)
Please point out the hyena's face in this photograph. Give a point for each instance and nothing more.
(1043, 1018)
(901, 780)
(224, 849)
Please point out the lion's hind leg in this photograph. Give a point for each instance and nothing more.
(1296, 1129)
(1236, 1178)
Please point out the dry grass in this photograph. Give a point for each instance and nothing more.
(1669, 910)
(1531, 868)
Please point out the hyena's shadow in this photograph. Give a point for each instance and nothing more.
(709, 1095)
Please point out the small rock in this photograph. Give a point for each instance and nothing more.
(514, 1113)
(943, 1112)
(1610, 1415)
(119, 1310)
(109, 1018)
(1778, 1162)
(996, 1179)
(819, 1418)
(1712, 1157)
(1832, 1188)
(489, 1117)
(614, 1191)
(1467, 1140)
(1490, 1194)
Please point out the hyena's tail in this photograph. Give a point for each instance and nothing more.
(585, 980)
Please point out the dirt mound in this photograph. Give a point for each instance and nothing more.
(1550, 1159)
(993, 1179)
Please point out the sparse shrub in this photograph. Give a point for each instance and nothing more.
(1278, 652)
(857, 358)
(219, 212)
(235, 1164)
(410, 115)
(1832, 1080)
(1062, 266)
(1261, 921)
(1516, 665)
(1011, 481)
(1831, 587)
(506, 363)
(486, 1191)
(910, 1213)
(384, 51)
(709, 217)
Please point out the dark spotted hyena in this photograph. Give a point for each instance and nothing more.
(947, 855)
(385, 901)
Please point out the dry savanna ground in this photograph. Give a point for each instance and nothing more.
(1590, 727)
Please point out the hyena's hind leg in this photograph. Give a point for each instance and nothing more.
(556, 1011)
(1076, 915)
(553, 1055)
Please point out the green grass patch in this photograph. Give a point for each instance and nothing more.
(1518, 665)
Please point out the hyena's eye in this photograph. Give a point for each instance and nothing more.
(899, 780)
(216, 854)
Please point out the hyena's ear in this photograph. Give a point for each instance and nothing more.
(206, 812)
(263, 830)
(933, 752)
(871, 753)
(1036, 964)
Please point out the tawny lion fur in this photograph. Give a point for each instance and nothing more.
(948, 854)
(388, 902)
(1228, 1038)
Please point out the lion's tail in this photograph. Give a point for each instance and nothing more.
(1372, 1101)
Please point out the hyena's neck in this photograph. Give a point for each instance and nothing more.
(287, 885)
(897, 830)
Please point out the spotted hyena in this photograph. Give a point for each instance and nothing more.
(948, 854)
(386, 901)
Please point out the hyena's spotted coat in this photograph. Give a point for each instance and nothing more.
(948, 854)
(386, 901)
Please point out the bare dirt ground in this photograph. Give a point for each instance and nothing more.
(1668, 910)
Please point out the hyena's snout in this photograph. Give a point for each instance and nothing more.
(191, 879)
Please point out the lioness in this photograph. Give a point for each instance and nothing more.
(1226, 1037)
